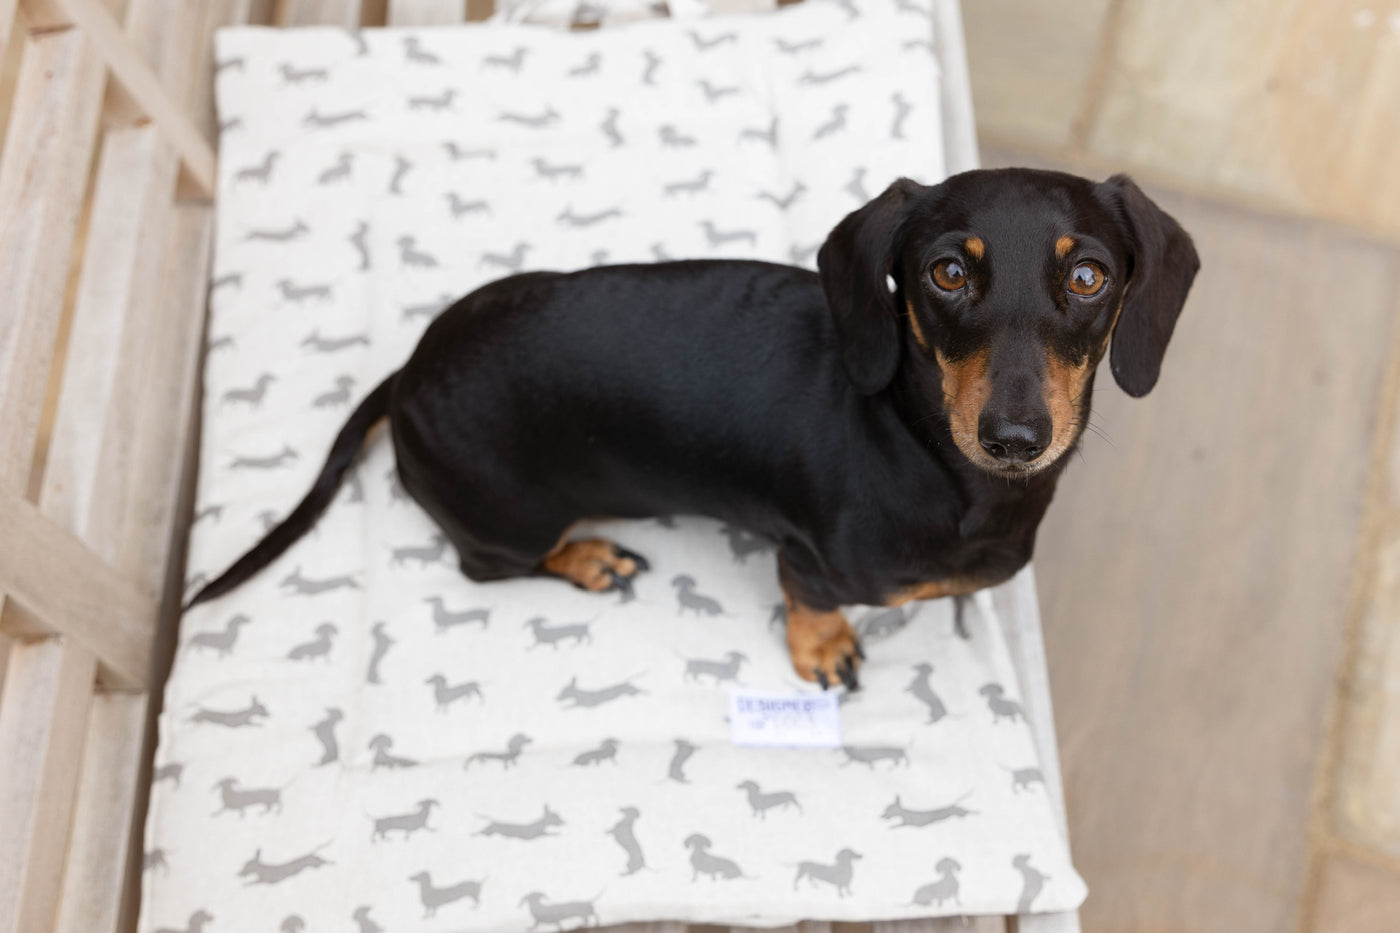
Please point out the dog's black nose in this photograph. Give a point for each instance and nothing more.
(1014, 441)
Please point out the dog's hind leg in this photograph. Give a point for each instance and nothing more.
(595, 564)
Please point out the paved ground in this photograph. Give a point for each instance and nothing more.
(1221, 577)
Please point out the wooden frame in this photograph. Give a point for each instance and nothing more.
(106, 175)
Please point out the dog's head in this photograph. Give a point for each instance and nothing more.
(1002, 290)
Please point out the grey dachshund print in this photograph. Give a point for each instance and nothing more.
(760, 802)
(234, 798)
(222, 641)
(256, 871)
(704, 863)
(414, 821)
(382, 745)
(544, 911)
(944, 888)
(575, 697)
(722, 671)
(507, 758)
(251, 715)
(838, 874)
(920, 818)
(574, 634)
(536, 829)
(433, 896)
(624, 834)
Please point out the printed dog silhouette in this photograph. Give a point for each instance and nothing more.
(606, 751)
(260, 872)
(406, 823)
(676, 770)
(1023, 778)
(444, 618)
(434, 897)
(507, 758)
(558, 913)
(445, 695)
(221, 643)
(239, 799)
(429, 554)
(380, 745)
(838, 875)
(622, 831)
(945, 888)
(726, 671)
(575, 697)
(916, 818)
(1001, 709)
(689, 599)
(760, 803)
(870, 754)
(234, 719)
(535, 830)
(546, 634)
(702, 862)
(1032, 882)
(325, 734)
(922, 691)
(320, 647)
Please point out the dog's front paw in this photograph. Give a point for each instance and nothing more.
(597, 565)
(824, 647)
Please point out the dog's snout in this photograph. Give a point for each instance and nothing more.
(1013, 440)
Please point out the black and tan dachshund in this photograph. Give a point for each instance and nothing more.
(895, 423)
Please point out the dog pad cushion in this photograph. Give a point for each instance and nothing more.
(360, 735)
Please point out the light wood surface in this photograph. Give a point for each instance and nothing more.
(42, 731)
(1194, 570)
(111, 328)
(48, 148)
(107, 795)
(320, 13)
(137, 77)
(426, 12)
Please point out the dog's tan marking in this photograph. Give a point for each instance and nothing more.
(953, 586)
(914, 325)
(975, 247)
(818, 641)
(586, 563)
(966, 388)
(1063, 393)
(1063, 245)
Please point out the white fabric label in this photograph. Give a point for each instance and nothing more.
(761, 718)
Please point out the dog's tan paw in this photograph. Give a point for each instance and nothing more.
(596, 565)
(824, 647)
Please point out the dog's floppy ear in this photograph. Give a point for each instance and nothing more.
(854, 261)
(1164, 262)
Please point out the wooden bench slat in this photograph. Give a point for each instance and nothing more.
(137, 77)
(85, 475)
(93, 880)
(43, 172)
(321, 13)
(47, 691)
(426, 12)
(161, 432)
(59, 581)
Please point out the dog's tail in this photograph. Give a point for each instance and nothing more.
(343, 452)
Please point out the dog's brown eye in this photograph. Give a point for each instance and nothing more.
(949, 275)
(1086, 279)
